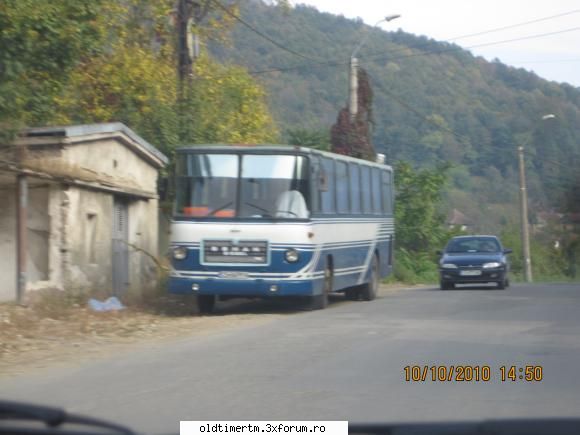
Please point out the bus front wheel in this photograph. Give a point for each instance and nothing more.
(320, 302)
(206, 303)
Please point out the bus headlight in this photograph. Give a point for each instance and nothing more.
(291, 255)
(179, 253)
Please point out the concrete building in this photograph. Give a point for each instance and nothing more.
(79, 211)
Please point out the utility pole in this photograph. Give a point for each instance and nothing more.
(353, 74)
(353, 89)
(524, 216)
(188, 13)
(21, 236)
(184, 43)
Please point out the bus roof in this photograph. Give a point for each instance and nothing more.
(266, 148)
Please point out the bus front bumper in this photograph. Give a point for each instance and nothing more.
(241, 288)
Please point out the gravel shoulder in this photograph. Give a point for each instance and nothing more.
(48, 335)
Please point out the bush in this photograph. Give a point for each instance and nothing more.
(548, 262)
(414, 267)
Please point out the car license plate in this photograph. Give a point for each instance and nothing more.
(234, 275)
(470, 272)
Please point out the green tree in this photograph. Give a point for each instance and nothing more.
(419, 222)
(420, 225)
(40, 42)
(317, 139)
(132, 85)
(226, 104)
(66, 61)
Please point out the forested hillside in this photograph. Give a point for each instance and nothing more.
(433, 102)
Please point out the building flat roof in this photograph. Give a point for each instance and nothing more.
(73, 131)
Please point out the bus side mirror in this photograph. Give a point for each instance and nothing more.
(507, 251)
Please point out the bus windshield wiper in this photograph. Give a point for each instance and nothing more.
(220, 208)
(266, 212)
(52, 418)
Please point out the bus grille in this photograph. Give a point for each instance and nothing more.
(235, 251)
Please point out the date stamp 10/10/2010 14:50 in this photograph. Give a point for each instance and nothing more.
(473, 373)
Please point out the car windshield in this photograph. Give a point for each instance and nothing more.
(473, 245)
(242, 186)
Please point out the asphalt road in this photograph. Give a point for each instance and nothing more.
(343, 363)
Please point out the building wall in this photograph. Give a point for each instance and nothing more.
(87, 265)
(143, 239)
(81, 243)
(86, 240)
(70, 228)
(41, 255)
(114, 160)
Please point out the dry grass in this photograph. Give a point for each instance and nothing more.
(55, 329)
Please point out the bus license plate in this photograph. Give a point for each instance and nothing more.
(234, 275)
(470, 272)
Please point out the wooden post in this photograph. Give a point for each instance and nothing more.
(21, 236)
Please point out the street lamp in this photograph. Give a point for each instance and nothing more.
(353, 94)
(524, 210)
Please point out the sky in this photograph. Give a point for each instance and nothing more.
(555, 57)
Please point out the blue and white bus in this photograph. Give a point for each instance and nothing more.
(273, 221)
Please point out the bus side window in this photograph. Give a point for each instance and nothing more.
(366, 189)
(387, 187)
(327, 203)
(355, 192)
(342, 188)
(376, 191)
(314, 184)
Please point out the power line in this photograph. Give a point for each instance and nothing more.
(512, 26)
(426, 53)
(546, 61)
(344, 62)
(393, 96)
(523, 38)
(259, 33)
(497, 29)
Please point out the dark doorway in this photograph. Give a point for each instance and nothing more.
(120, 247)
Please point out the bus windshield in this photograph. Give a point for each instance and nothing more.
(242, 186)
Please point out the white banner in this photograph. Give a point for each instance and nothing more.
(263, 426)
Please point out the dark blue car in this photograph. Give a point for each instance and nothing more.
(474, 260)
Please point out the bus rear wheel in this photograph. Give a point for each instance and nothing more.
(206, 303)
(352, 294)
(370, 290)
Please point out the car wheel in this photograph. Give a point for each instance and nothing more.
(206, 304)
(501, 285)
(370, 290)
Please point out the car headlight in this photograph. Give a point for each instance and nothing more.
(291, 255)
(491, 265)
(448, 266)
(179, 253)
